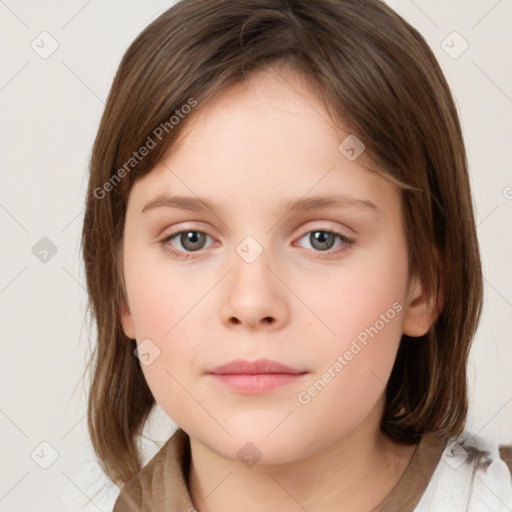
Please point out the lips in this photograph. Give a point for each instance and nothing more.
(260, 366)
(255, 377)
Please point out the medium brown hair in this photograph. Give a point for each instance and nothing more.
(377, 76)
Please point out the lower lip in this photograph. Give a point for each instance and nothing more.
(257, 383)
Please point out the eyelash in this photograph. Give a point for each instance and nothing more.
(347, 243)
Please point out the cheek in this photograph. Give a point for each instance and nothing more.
(158, 292)
(355, 296)
(352, 368)
(162, 305)
(362, 304)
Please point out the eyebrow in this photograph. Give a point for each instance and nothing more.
(197, 204)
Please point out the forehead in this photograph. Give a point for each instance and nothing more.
(268, 139)
(267, 101)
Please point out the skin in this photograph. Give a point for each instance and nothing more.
(251, 148)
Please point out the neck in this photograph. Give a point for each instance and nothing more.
(354, 473)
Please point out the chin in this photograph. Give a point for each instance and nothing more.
(251, 445)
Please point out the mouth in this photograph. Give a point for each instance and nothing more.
(255, 377)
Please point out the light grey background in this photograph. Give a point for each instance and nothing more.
(50, 110)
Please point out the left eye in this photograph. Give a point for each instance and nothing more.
(323, 240)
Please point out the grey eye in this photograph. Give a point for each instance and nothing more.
(322, 240)
(192, 240)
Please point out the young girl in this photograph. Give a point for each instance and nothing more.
(281, 252)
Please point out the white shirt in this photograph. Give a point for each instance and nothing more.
(470, 477)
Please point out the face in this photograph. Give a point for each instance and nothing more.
(322, 288)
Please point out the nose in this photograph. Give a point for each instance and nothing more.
(254, 296)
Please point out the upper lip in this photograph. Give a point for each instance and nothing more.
(242, 366)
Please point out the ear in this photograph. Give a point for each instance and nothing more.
(126, 320)
(422, 306)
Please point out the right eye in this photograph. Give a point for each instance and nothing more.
(190, 240)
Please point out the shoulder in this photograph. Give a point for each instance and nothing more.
(136, 491)
(506, 455)
(473, 474)
(481, 455)
(161, 483)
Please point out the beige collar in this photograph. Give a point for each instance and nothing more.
(162, 483)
